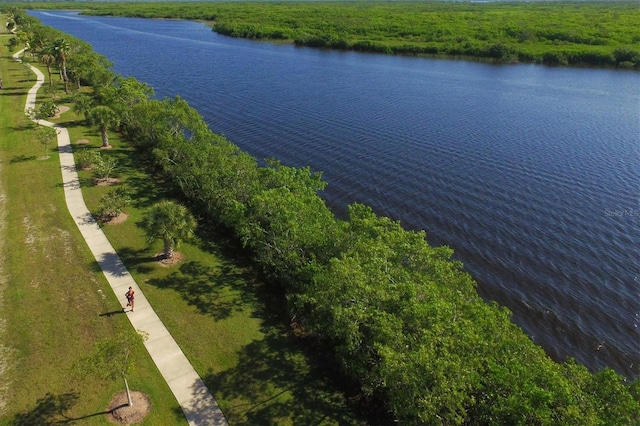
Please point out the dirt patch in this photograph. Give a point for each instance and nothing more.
(121, 413)
(174, 260)
(107, 182)
(122, 217)
(82, 141)
(61, 110)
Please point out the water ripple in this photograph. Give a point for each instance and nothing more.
(530, 173)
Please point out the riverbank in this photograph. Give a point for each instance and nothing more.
(259, 372)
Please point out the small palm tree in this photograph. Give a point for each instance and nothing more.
(105, 118)
(170, 222)
(83, 104)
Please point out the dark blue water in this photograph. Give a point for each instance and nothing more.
(530, 173)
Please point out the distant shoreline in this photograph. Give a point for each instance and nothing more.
(550, 33)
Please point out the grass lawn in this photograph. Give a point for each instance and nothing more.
(55, 304)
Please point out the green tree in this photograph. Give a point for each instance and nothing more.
(123, 95)
(112, 359)
(46, 136)
(87, 158)
(83, 104)
(48, 58)
(62, 49)
(170, 222)
(45, 110)
(104, 118)
(113, 203)
(104, 167)
(22, 38)
(87, 67)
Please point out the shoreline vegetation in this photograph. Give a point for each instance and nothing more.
(595, 34)
(391, 316)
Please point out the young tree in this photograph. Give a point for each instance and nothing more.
(113, 203)
(86, 159)
(111, 358)
(104, 167)
(46, 136)
(170, 222)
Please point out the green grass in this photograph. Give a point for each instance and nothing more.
(56, 304)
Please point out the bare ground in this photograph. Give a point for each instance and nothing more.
(121, 413)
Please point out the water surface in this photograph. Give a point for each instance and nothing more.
(530, 173)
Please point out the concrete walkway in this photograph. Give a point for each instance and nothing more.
(197, 403)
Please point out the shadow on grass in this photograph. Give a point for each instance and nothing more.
(136, 260)
(112, 313)
(50, 410)
(22, 159)
(215, 291)
(267, 387)
(144, 191)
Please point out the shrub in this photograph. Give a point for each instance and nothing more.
(87, 158)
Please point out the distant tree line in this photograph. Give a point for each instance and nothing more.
(594, 33)
(400, 318)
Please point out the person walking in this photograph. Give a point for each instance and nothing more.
(130, 295)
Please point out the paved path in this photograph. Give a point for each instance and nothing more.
(197, 403)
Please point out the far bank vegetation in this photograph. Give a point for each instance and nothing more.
(600, 34)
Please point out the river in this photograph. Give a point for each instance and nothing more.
(530, 173)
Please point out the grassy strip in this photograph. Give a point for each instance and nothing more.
(220, 314)
(55, 302)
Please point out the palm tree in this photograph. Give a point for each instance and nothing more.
(170, 222)
(105, 118)
(62, 48)
(48, 58)
(83, 104)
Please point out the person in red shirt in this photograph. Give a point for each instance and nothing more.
(130, 295)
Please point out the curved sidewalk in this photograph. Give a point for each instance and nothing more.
(195, 399)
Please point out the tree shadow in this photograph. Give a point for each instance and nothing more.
(49, 410)
(215, 291)
(22, 159)
(70, 124)
(76, 183)
(144, 191)
(136, 259)
(266, 386)
(204, 410)
(111, 263)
